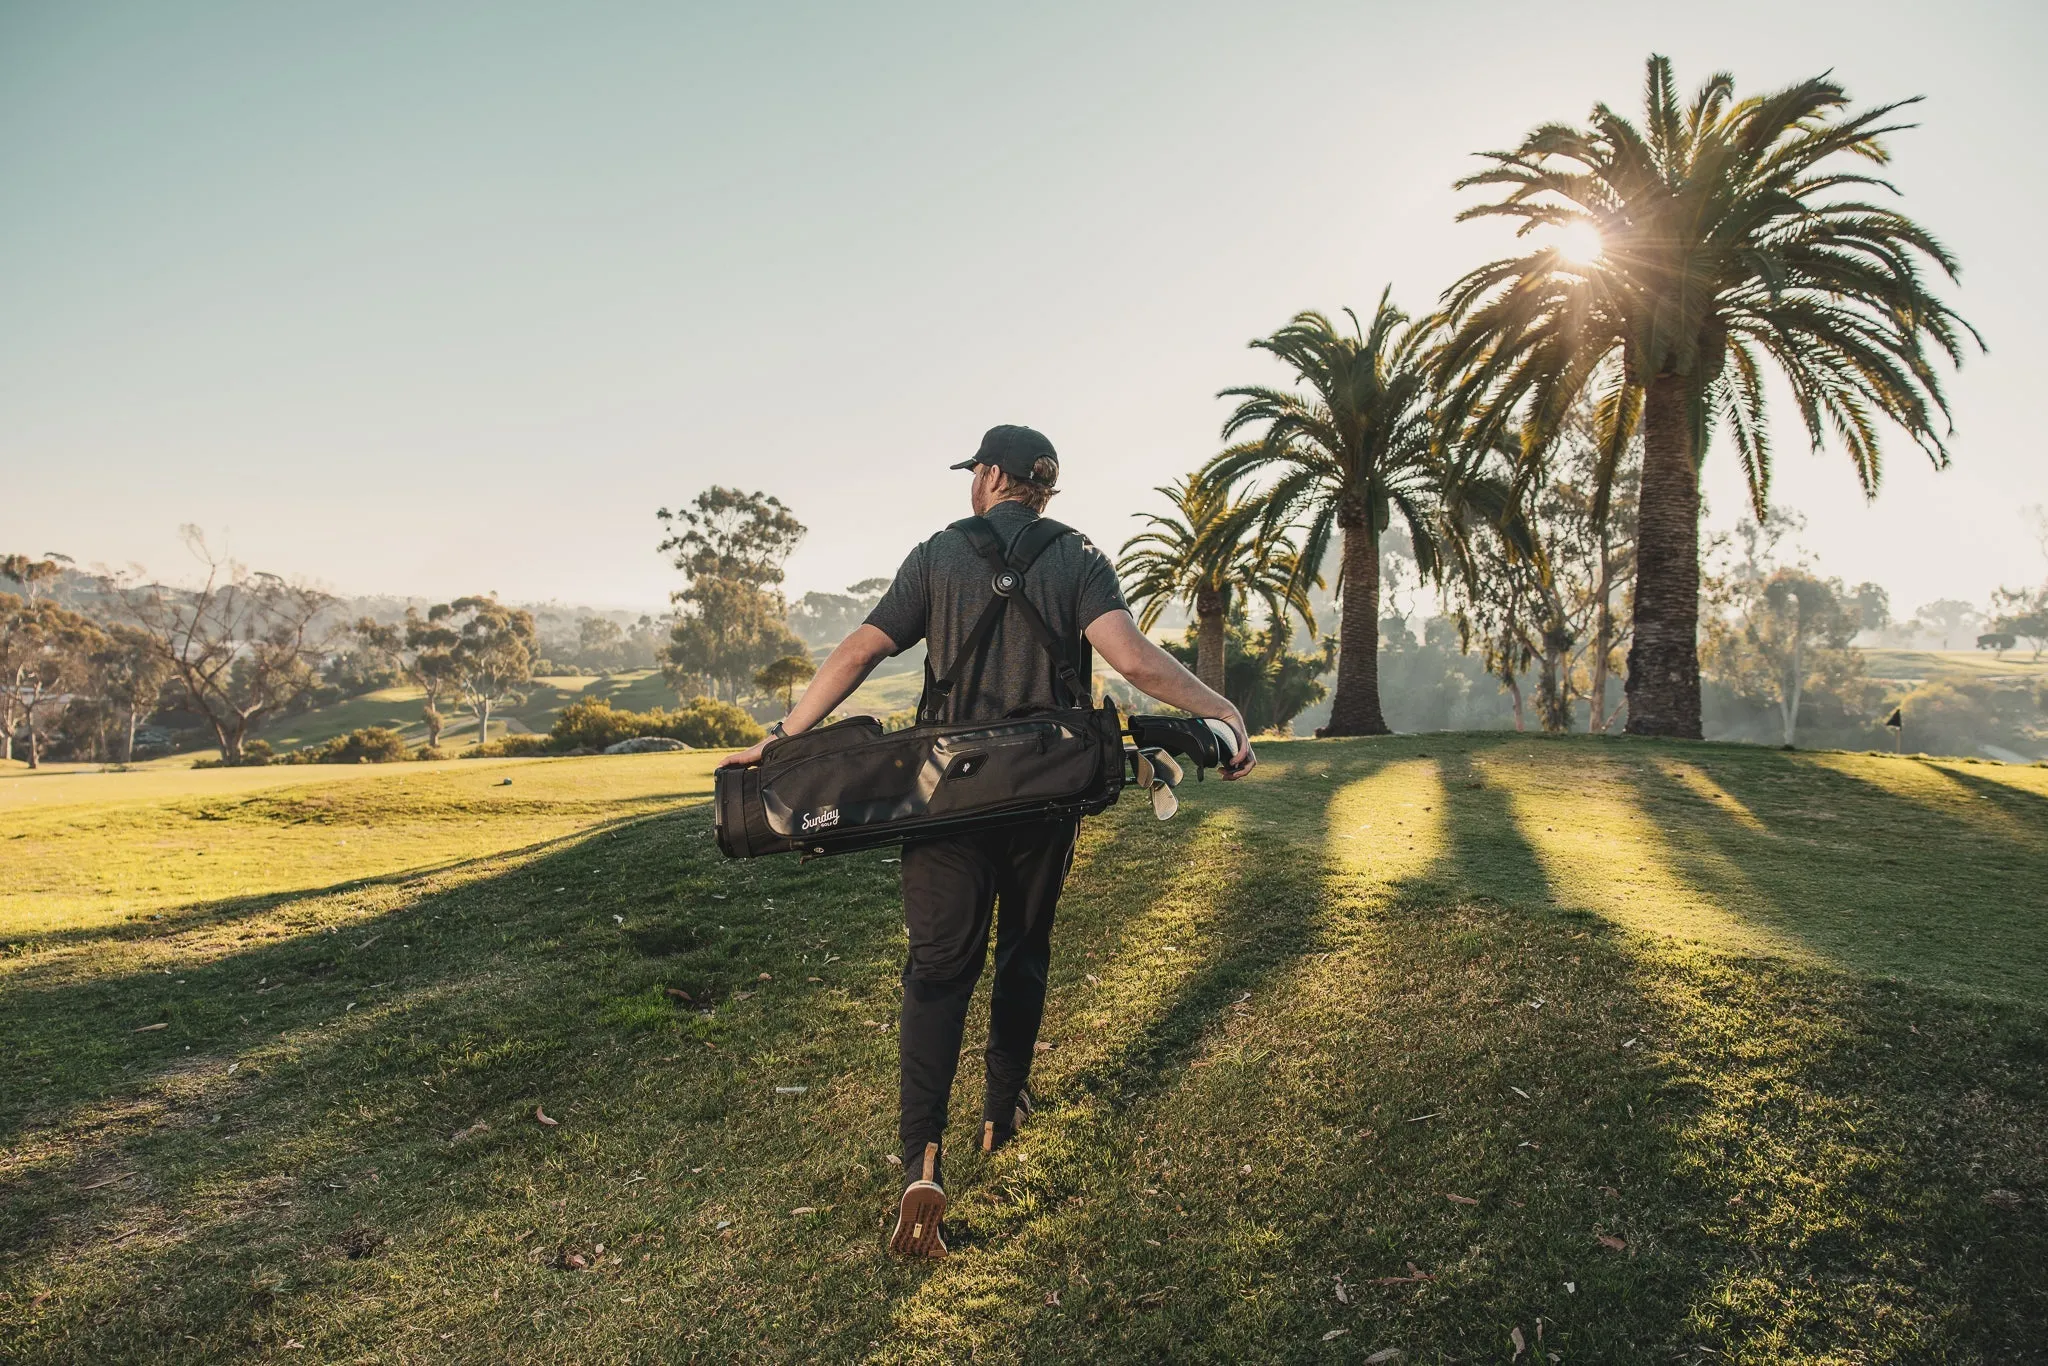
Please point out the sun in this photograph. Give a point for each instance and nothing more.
(1578, 242)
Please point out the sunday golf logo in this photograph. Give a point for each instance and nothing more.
(824, 818)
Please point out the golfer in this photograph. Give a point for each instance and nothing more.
(957, 888)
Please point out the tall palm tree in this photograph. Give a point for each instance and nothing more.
(1358, 443)
(1208, 549)
(1732, 234)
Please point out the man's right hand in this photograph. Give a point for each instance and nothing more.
(1244, 761)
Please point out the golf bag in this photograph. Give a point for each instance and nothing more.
(850, 785)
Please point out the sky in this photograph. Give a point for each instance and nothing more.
(446, 298)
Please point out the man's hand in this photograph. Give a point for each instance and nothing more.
(1244, 761)
(745, 758)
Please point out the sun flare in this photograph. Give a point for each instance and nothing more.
(1579, 243)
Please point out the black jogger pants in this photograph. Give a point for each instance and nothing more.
(954, 889)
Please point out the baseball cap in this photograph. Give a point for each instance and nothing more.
(1013, 450)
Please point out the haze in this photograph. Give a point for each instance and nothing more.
(429, 300)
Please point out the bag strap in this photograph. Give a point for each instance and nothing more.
(1007, 584)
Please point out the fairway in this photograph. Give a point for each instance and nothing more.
(1465, 1046)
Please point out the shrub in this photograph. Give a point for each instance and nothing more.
(510, 747)
(702, 722)
(429, 753)
(368, 745)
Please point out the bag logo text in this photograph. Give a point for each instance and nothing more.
(822, 819)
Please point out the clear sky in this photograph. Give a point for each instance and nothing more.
(437, 298)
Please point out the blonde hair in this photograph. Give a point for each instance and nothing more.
(1036, 491)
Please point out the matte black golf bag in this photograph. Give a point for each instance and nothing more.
(852, 786)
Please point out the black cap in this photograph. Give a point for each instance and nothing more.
(1015, 451)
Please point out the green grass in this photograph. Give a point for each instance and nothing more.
(1776, 1023)
(1911, 666)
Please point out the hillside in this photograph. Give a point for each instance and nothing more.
(1623, 1051)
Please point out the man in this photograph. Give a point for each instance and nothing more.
(955, 889)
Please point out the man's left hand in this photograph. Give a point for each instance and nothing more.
(745, 758)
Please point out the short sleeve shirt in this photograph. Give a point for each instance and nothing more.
(943, 587)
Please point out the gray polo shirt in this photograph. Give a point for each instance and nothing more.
(944, 584)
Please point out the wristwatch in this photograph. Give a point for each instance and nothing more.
(776, 732)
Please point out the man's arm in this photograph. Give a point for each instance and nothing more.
(1158, 674)
(845, 669)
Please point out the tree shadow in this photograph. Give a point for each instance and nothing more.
(1463, 1075)
(218, 912)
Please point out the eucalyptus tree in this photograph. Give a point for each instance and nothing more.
(492, 656)
(1352, 442)
(1735, 237)
(1212, 552)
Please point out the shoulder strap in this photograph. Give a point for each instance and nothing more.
(1007, 585)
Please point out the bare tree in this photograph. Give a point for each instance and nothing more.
(239, 647)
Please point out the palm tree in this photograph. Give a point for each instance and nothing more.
(1359, 444)
(1211, 547)
(1730, 234)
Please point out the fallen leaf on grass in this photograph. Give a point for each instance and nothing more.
(1459, 1199)
(1387, 1354)
(814, 979)
(146, 1029)
(108, 1181)
(678, 994)
(542, 1116)
(464, 1135)
(1417, 1119)
(803, 1209)
(894, 1160)
(1052, 1297)
(1608, 1240)
(2003, 1199)
(1343, 1294)
(743, 995)
(1335, 1333)
(1521, 1343)
(1041, 1047)
(764, 977)
(575, 1259)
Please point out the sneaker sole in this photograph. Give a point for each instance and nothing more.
(917, 1222)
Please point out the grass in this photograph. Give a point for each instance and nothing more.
(1369, 1052)
(1912, 666)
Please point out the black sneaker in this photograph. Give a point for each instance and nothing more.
(923, 1206)
(994, 1132)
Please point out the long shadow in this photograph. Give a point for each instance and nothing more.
(488, 1001)
(1864, 877)
(216, 912)
(1688, 1109)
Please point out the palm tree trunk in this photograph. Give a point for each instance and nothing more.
(1603, 638)
(1663, 687)
(1209, 639)
(1356, 708)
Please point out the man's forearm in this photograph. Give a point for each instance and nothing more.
(844, 670)
(1159, 675)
